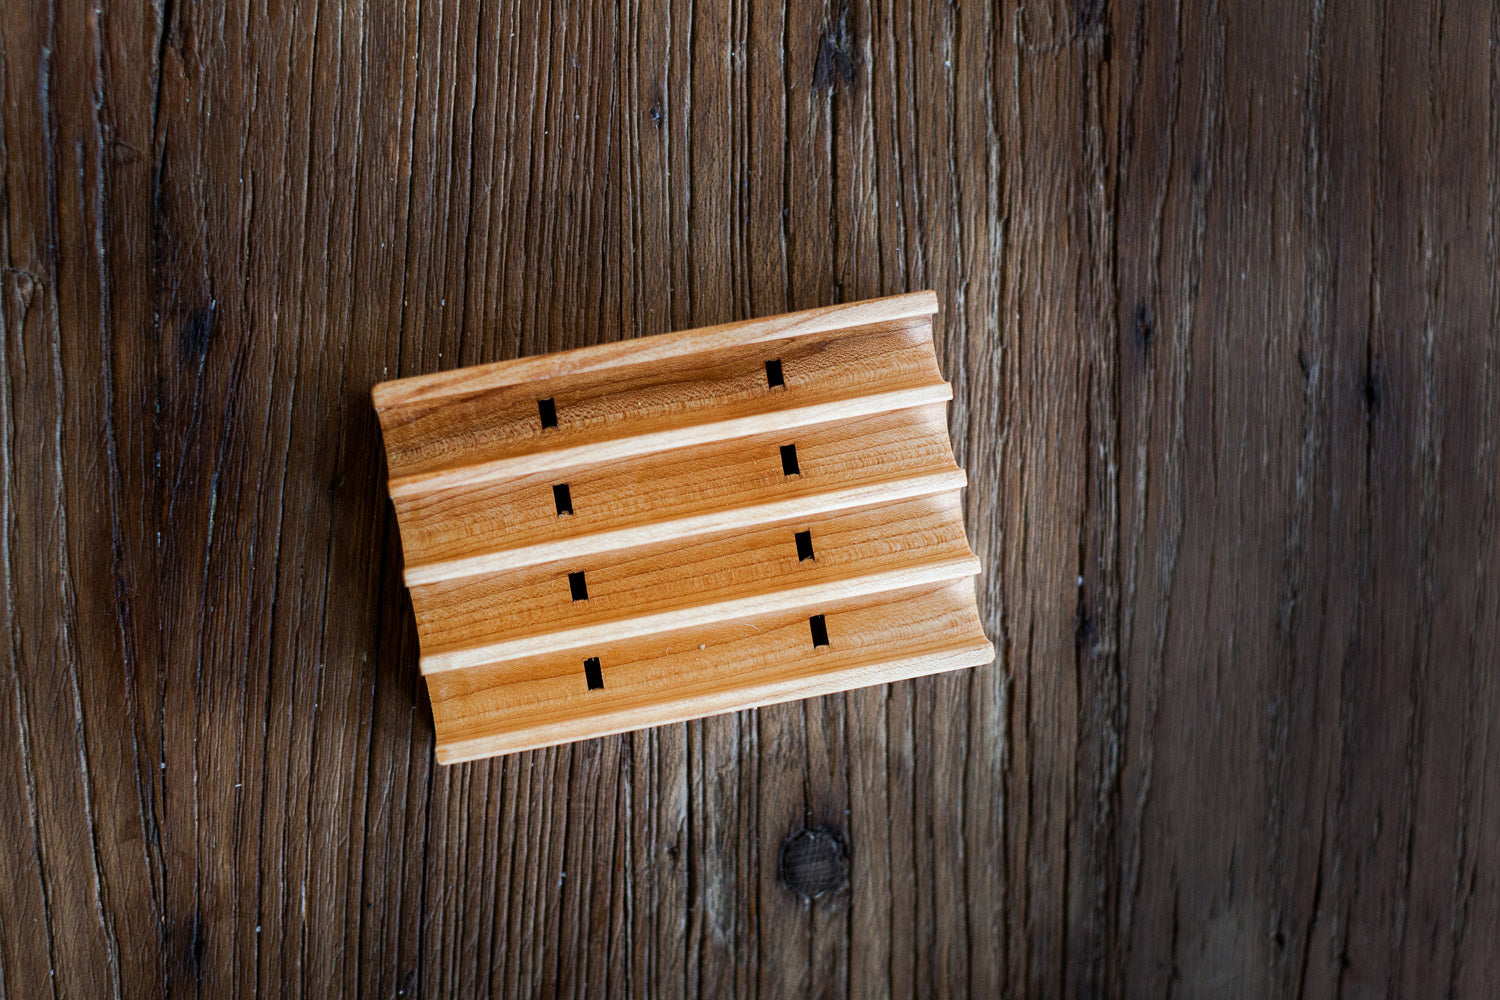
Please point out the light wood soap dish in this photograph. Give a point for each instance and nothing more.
(670, 527)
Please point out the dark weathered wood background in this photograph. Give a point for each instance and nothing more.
(1222, 310)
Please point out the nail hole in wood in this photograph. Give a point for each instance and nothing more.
(563, 498)
(819, 630)
(789, 460)
(774, 377)
(804, 546)
(547, 410)
(592, 674)
(579, 586)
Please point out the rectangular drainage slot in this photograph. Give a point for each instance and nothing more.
(774, 378)
(563, 498)
(804, 546)
(819, 630)
(547, 410)
(577, 584)
(789, 460)
(592, 674)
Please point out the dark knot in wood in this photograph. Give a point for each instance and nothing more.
(197, 330)
(1145, 327)
(815, 863)
(838, 56)
(1373, 388)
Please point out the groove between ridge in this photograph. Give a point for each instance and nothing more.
(468, 745)
(752, 515)
(666, 621)
(676, 437)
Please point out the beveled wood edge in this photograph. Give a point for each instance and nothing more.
(766, 602)
(752, 515)
(608, 449)
(610, 723)
(657, 347)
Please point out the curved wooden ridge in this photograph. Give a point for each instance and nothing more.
(655, 530)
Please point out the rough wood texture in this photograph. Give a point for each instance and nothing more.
(775, 500)
(1221, 315)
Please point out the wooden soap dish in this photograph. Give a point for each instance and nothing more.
(675, 526)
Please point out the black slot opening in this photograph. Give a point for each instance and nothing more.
(592, 675)
(547, 410)
(774, 377)
(579, 586)
(789, 460)
(804, 546)
(819, 630)
(562, 498)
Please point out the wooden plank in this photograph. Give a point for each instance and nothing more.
(419, 390)
(650, 442)
(541, 700)
(501, 432)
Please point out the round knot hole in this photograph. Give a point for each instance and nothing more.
(815, 862)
